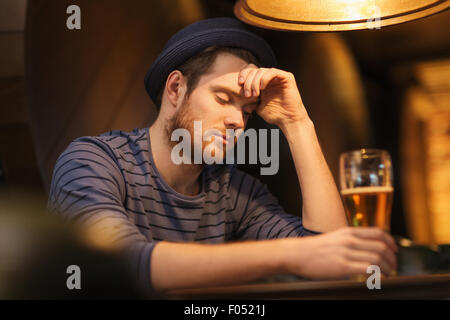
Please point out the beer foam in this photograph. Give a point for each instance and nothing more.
(371, 189)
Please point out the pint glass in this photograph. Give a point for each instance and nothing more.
(366, 180)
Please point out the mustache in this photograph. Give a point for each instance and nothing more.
(225, 134)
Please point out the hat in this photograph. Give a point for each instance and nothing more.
(186, 43)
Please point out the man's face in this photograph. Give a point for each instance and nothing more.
(217, 101)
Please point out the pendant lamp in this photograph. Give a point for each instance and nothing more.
(334, 15)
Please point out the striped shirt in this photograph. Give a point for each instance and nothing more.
(114, 176)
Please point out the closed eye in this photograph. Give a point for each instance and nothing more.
(225, 102)
(221, 101)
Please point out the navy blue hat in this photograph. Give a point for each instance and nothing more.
(186, 43)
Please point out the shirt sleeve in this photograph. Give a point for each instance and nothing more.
(262, 216)
(88, 189)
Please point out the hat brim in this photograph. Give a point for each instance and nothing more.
(174, 55)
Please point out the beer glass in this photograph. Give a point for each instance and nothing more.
(366, 180)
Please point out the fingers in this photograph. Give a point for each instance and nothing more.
(256, 83)
(271, 74)
(356, 267)
(373, 233)
(249, 90)
(378, 248)
(373, 244)
(244, 76)
(371, 258)
(254, 79)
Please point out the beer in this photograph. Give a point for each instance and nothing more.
(369, 206)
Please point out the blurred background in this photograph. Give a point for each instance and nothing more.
(387, 88)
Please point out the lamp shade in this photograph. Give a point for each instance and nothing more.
(333, 15)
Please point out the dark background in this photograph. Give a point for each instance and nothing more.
(58, 84)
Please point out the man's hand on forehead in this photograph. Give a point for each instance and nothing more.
(280, 100)
(252, 80)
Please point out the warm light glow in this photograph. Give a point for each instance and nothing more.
(426, 154)
(334, 15)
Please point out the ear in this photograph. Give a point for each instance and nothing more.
(175, 88)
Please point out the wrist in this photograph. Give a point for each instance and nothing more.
(293, 257)
(291, 128)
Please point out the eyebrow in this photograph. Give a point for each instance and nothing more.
(232, 92)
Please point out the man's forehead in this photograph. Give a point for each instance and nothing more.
(227, 62)
(224, 74)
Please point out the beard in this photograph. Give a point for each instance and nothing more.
(184, 119)
(181, 120)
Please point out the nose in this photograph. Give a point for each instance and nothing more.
(234, 120)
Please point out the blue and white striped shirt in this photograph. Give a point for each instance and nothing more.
(113, 175)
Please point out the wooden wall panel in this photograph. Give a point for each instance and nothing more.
(332, 91)
(88, 81)
(11, 54)
(12, 17)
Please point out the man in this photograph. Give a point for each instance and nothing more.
(195, 225)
